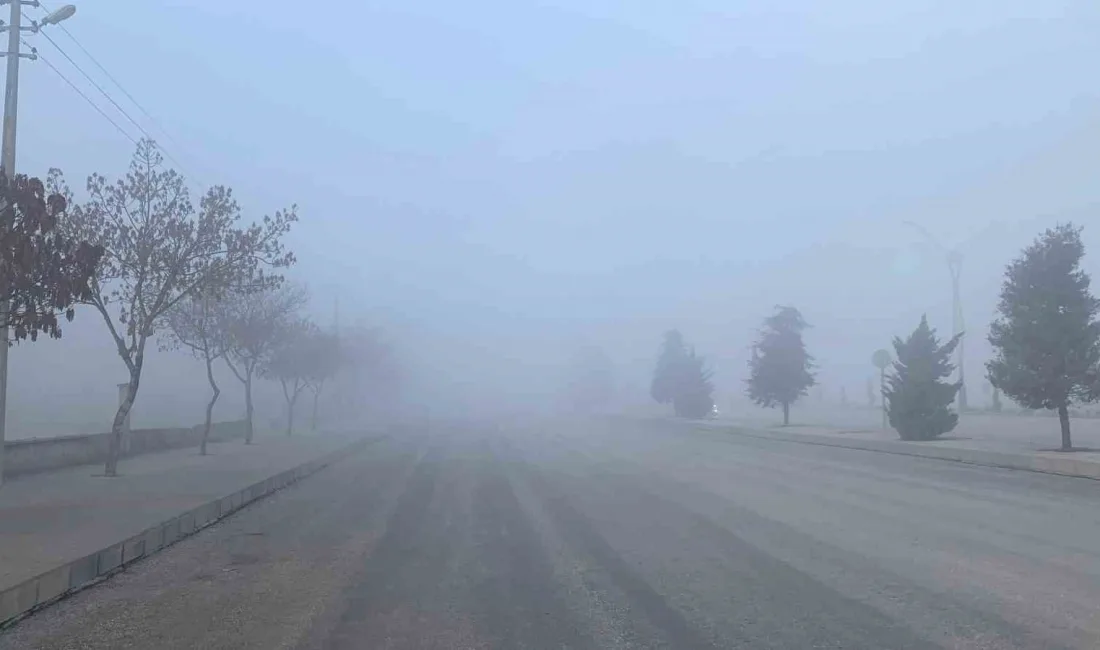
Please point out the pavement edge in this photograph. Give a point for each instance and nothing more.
(1028, 462)
(43, 590)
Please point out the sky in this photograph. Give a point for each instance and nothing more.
(497, 183)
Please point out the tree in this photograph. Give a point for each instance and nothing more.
(43, 272)
(994, 394)
(681, 378)
(158, 250)
(918, 401)
(1046, 338)
(780, 368)
(694, 395)
(325, 359)
(669, 363)
(250, 324)
(192, 324)
(291, 363)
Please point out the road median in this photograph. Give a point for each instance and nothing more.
(1080, 465)
(66, 573)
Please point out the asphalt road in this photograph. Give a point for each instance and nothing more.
(570, 535)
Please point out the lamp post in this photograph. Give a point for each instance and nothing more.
(15, 30)
(954, 268)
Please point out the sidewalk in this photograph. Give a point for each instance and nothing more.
(1026, 443)
(50, 519)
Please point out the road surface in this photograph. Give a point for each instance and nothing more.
(599, 535)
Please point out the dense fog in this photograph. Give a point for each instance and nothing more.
(495, 185)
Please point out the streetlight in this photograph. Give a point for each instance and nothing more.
(15, 30)
(954, 268)
(64, 13)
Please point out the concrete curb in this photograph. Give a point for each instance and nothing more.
(44, 589)
(1028, 462)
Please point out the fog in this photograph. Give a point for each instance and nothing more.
(496, 184)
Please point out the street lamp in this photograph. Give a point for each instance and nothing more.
(954, 268)
(64, 13)
(15, 31)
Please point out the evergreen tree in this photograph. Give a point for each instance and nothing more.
(694, 395)
(669, 362)
(918, 401)
(1047, 336)
(681, 379)
(780, 369)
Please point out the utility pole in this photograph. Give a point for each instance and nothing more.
(15, 30)
(954, 268)
(7, 161)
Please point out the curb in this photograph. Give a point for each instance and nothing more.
(1027, 462)
(47, 588)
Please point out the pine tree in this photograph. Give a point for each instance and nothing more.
(681, 379)
(669, 363)
(918, 401)
(694, 396)
(780, 369)
(1047, 336)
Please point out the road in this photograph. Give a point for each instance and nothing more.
(615, 535)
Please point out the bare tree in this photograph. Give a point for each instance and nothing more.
(325, 360)
(251, 324)
(192, 324)
(159, 250)
(291, 363)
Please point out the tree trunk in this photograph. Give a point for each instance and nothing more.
(210, 406)
(313, 418)
(317, 396)
(1063, 419)
(114, 446)
(248, 409)
(290, 399)
(786, 413)
(290, 417)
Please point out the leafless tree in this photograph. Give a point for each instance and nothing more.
(159, 250)
(291, 362)
(251, 325)
(193, 325)
(326, 358)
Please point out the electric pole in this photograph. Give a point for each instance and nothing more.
(954, 269)
(15, 30)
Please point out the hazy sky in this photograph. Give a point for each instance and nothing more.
(503, 180)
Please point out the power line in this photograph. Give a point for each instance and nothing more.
(107, 95)
(84, 96)
(116, 82)
(119, 85)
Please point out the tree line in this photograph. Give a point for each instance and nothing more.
(1045, 337)
(154, 265)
